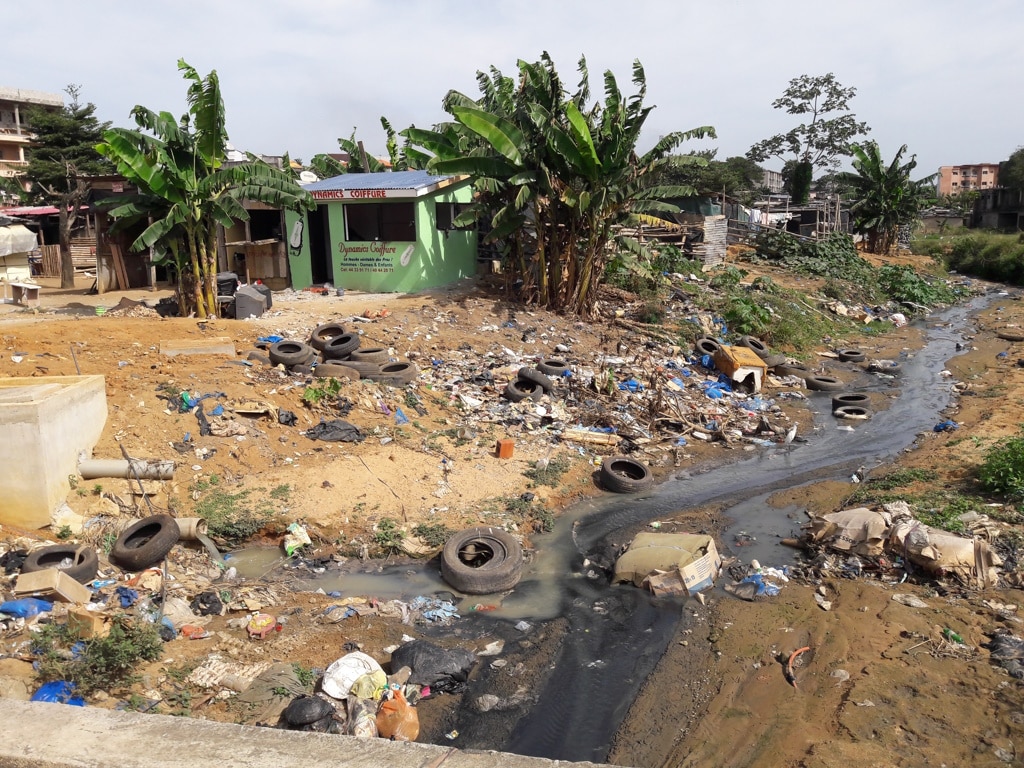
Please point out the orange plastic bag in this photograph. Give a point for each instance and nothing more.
(396, 720)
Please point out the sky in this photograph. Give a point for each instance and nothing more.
(943, 77)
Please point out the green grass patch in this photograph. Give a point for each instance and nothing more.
(550, 475)
(233, 517)
(434, 534)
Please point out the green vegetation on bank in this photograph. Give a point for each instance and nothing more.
(978, 253)
(783, 318)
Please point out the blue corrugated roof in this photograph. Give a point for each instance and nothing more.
(386, 180)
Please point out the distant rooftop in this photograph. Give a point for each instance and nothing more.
(27, 96)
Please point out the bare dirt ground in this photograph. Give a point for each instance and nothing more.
(877, 688)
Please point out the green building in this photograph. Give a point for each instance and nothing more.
(382, 232)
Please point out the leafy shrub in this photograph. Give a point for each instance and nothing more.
(99, 663)
(902, 283)
(746, 316)
(387, 535)
(1003, 469)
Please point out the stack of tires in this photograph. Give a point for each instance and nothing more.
(333, 352)
(532, 383)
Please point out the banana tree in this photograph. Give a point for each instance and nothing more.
(185, 189)
(885, 197)
(555, 177)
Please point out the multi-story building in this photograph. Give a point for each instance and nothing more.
(772, 181)
(954, 179)
(15, 131)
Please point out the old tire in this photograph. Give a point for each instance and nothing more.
(890, 367)
(146, 543)
(850, 398)
(851, 356)
(341, 346)
(1010, 335)
(395, 374)
(552, 366)
(289, 353)
(773, 361)
(706, 346)
(517, 391)
(481, 561)
(793, 369)
(322, 334)
(84, 561)
(375, 355)
(823, 383)
(533, 376)
(622, 474)
(336, 371)
(366, 370)
(851, 412)
(758, 347)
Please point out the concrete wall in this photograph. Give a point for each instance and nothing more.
(45, 422)
(38, 735)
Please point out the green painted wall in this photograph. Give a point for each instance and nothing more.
(299, 266)
(435, 258)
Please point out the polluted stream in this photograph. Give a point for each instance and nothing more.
(604, 640)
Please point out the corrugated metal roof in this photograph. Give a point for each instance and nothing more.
(386, 180)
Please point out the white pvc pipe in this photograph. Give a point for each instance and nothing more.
(90, 469)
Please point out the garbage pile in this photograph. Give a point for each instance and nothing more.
(861, 541)
(655, 400)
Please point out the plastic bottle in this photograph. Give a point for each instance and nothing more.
(952, 636)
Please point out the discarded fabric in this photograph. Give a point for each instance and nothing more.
(336, 431)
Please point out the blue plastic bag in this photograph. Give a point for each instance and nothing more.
(58, 692)
(25, 607)
(127, 596)
(400, 417)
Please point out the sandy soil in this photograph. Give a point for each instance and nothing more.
(877, 687)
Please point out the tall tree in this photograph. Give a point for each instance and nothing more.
(62, 157)
(1011, 171)
(555, 175)
(737, 177)
(818, 143)
(885, 197)
(185, 188)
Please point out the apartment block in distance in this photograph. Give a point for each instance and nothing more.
(954, 179)
(15, 132)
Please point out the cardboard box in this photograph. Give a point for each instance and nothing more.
(670, 563)
(742, 365)
(51, 582)
(85, 624)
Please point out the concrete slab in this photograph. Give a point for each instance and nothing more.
(45, 422)
(38, 735)
(217, 345)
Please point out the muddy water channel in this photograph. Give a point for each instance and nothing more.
(572, 673)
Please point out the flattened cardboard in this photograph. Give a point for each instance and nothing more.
(51, 582)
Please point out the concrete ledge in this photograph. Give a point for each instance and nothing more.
(38, 735)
